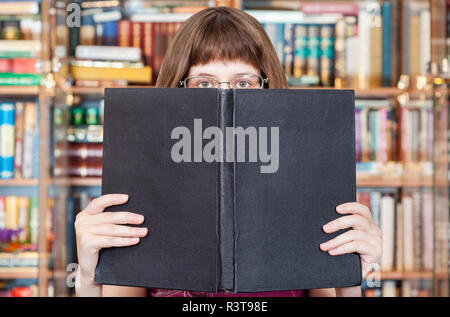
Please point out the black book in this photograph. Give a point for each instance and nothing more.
(235, 186)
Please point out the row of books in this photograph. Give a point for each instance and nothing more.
(19, 28)
(406, 220)
(405, 288)
(354, 45)
(20, 62)
(20, 46)
(19, 140)
(19, 220)
(385, 133)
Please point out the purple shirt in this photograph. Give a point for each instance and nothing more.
(156, 292)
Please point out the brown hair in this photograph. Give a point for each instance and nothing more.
(222, 33)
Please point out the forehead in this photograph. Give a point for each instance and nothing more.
(221, 69)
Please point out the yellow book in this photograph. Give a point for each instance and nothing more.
(12, 210)
(130, 74)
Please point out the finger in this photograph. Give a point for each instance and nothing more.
(360, 247)
(99, 204)
(356, 222)
(354, 208)
(351, 235)
(117, 217)
(118, 231)
(100, 242)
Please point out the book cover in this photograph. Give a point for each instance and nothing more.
(242, 213)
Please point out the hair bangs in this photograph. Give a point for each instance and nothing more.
(221, 38)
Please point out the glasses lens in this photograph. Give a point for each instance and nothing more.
(200, 82)
(247, 82)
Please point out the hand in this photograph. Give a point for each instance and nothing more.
(364, 237)
(96, 229)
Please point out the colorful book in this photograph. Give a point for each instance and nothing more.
(7, 140)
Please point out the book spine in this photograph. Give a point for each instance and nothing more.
(124, 32)
(288, 49)
(19, 130)
(29, 139)
(408, 234)
(386, 47)
(300, 50)
(340, 76)
(358, 134)
(148, 49)
(388, 229)
(6, 140)
(2, 212)
(312, 63)
(23, 219)
(226, 216)
(87, 30)
(136, 34)
(326, 55)
(34, 220)
(11, 213)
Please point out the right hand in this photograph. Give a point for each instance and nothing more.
(96, 229)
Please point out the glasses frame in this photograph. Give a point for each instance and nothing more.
(264, 81)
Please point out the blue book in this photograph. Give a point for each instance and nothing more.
(6, 140)
(386, 44)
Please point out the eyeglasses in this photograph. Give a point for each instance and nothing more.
(241, 82)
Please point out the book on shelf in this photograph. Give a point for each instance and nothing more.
(18, 140)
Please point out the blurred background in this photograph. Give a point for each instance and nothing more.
(56, 58)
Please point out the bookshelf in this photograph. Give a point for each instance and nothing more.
(60, 95)
(38, 185)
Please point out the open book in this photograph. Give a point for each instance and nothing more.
(235, 186)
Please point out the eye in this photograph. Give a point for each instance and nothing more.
(242, 83)
(204, 84)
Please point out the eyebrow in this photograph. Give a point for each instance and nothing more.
(210, 75)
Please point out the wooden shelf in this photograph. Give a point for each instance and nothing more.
(98, 90)
(19, 182)
(426, 275)
(380, 92)
(18, 273)
(365, 181)
(401, 181)
(371, 92)
(79, 181)
(19, 90)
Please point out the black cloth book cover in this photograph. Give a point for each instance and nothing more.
(242, 213)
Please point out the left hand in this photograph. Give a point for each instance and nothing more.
(364, 237)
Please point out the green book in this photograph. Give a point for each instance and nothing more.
(11, 79)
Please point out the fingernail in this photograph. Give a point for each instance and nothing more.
(143, 230)
(332, 252)
(340, 208)
(124, 196)
(327, 227)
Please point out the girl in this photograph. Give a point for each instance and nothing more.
(227, 48)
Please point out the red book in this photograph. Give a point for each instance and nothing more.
(364, 199)
(124, 32)
(5, 65)
(148, 47)
(136, 34)
(25, 65)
